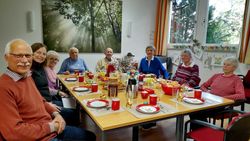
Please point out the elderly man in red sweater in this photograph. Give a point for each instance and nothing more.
(25, 115)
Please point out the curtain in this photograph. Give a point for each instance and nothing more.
(161, 26)
(244, 53)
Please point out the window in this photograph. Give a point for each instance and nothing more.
(183, 15)
(208, 21)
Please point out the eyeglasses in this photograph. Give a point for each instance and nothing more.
(54, 59)
(19, 56)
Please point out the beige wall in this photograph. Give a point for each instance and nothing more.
(13, 14)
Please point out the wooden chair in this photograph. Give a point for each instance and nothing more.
(237, 130)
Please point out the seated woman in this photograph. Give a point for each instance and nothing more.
(187, 72)
(51, 61)
(73, 63)
(226, 84)
(232, 87)
(40, 79)
(151, 64)
(38, 72)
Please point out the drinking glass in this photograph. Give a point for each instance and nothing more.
(129, 96)
(175, 92)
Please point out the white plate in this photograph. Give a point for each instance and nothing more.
(193, 100)
(97, 103)
(147, 109)
(80, 89)
(71, 79)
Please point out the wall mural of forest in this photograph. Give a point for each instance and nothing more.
(89, 25)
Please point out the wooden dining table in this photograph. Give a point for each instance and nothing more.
(127, 116)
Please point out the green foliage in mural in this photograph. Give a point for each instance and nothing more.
(89, 25)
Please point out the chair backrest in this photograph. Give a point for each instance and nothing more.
(169, 64)
(162, 58)
(238, 129)
(246, 80)
(246, 83)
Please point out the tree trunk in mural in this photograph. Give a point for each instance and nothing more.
(113, 21)
(92, 25)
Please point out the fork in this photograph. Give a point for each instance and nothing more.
(107, 108)
(161, 108)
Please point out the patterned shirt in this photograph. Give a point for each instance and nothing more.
(128, 63)
(103, 63)
(16, 76)
(187, 75)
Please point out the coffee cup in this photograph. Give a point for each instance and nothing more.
(197, 94)
(153, 99)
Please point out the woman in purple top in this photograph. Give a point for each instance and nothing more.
(187, 72)
(51, 61)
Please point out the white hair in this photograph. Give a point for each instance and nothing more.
(72, 49)
(106, 49)
(187, 51)
(232, 60)
(150, 47)
(52, 53)
(9, 44)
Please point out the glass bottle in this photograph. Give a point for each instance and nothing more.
(113, 87)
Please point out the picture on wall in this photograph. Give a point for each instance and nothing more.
(217, 60)
(198, 52)
(89, 25)
(175, 58)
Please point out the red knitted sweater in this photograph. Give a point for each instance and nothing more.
(24, 113)
(225, 86)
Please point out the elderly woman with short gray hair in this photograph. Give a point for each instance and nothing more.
(151, 64)
(187, 72)
(226, 84)
(52, 59)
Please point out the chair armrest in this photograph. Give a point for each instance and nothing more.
(232, 111)
(205, 124)
(241, 76)
(239, 101)
(228, 113)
